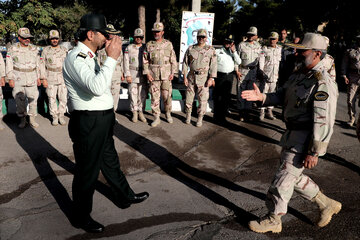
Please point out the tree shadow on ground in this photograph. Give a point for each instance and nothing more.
(180, 171)
(341, 161)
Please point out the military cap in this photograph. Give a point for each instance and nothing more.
(230, 39)
(327, 40)
(158, 27)
(112, 30)
(274, 35)
(311, 41)
(54, 34)
(24, 33)
(252, 31)
(94, 21)
(138, 32)
(202, 32)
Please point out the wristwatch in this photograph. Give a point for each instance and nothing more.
(314, 154)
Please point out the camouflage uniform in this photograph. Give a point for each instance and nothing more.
(351, 69)
(133, 66)
(116, 78)
(160, 62)
(249, 54)
(309, 113)
(201, 64)
(23, 66)
(2, 74)
(269, 63)
(53, 59)
(329, 66)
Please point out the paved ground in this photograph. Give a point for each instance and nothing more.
(204, 183)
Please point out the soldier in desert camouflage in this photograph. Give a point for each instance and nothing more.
(23, 74)
(159, 67)
(269, 64)
(52, 58)
(133, 68)
(199, 70)
(118, 74)
(309, 98)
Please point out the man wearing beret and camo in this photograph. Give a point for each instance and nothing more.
(199, 70)
(269, 63)
(133, 68)
(249, 52)
(23, 73)
(350, 71)
(52, 58)
(118, 74)
(159, 67)
(309, 100)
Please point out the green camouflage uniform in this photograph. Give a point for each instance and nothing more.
(52, 60)
(160, 62)
(201, 64)
(309, 113)
(23, 66)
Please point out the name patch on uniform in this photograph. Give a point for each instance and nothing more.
(83, 55)
(321, 96)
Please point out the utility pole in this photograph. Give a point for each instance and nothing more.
(196, 6)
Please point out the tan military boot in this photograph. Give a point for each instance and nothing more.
(269, 223)
(351, 121)
(135, 116)
(270, 114)
(33, 123)
(188, 118)
(327, 206)
(156, 121)
(142, 117)
(262, 114)
(1, 125)
(168, 117)
(62, 120)
(199, 121)
(22, 123)
(55, 120)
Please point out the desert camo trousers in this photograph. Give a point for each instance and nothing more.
(163, 88)
(115, 92)
(269, 87)
(202, 95)
(289, 177)
(352, 91)
(20, 94)
(137, 93)
(57, 92)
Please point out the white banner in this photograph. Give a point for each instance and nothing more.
(191, 23)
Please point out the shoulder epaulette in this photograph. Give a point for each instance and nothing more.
(81, 54)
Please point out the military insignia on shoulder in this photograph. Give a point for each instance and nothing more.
(318, 75)
(321, 96)
(81, 54)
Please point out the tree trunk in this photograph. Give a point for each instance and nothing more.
(141, 12)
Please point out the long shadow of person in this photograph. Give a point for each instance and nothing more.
(176, 168)
(341, 161)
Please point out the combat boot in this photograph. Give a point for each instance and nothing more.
(22, 123)
(62, 120)
(327, 206)
(262, 114)
(199, 121)
(1, 125)
(55, 120)
(135, 116)
(156, 121)
(351, 121)
(142, 117)
(269, 223)
(33, 123)
(270, 114)
(168, 117)
(188, 118)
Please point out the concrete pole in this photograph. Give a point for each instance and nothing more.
(196, 6)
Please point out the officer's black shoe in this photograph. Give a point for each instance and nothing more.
(90, 226)
(139, 197)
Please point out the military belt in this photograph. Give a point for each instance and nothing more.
(135, 68)
(24, 70)
(159, 62)
(199, 72)
(59, 69)
(299, 125)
